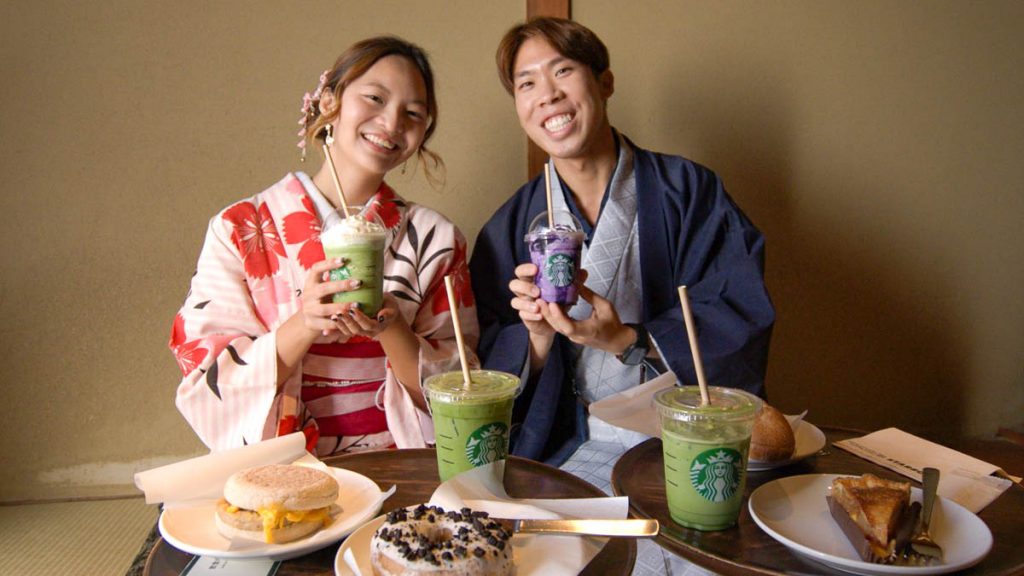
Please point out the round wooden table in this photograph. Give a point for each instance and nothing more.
(414, 473)
(747, 550)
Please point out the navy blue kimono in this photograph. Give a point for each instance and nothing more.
(691, 233)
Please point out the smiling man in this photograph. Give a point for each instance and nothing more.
(652, 222)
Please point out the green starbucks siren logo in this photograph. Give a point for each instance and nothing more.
(715, 474)
(342, 273)
(559, 270)
(487, 443)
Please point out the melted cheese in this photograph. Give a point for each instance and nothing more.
(275, 517)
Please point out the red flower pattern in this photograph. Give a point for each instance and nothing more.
(189, 355)
(303, 227)
(385, 208)
(256, 238)
(460, 282)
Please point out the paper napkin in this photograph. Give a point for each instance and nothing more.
(963, 479)
(202, 479)
(483, 489)
(633, 409)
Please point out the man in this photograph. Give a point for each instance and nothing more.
(653, 222)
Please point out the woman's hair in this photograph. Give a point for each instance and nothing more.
(352, 64)
(571, 39)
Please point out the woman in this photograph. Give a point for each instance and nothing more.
(263, 350)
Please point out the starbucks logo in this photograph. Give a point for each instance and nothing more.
(559, 270)
(342, 273)
(487, 443)
(715, 474)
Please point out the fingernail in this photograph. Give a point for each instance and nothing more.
(334, 317)
(356, 283)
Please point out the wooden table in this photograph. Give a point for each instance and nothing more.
(748, 550)
(414, 472)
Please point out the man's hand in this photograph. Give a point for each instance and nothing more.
(527, 301)
(602, 330)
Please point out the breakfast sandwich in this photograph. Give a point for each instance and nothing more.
(277, 503)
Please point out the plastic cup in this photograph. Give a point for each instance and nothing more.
(556, 251)
(471, 426)
(360, 242)
(705, 450)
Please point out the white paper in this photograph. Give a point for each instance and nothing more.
(202, 479)
(482, 488)
(206, 565)
(633, 409)
(962, 478)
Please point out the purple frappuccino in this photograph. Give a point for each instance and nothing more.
(556, 252)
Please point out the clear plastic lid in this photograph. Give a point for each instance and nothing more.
(564, 222)
(683, 403)
(487, 386)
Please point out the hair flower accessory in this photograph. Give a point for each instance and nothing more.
(309, 110)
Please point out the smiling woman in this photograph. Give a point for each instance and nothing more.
(272, 337)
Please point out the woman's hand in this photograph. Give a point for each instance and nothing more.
(354, 322)
(319, 313)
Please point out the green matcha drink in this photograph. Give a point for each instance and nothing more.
(360, 242)
(705, 450)
(471, 425)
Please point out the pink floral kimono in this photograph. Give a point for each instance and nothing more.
(344, 395)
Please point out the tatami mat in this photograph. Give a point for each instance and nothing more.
(93, 538)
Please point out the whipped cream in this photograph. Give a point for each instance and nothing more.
(355, 229)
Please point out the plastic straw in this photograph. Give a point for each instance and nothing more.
(547, 191)
(337, 183)
(453, 306)
(691, 332)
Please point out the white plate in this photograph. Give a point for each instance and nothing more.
(359, 543)
(809, 439)
(793, 511)
(193, 529)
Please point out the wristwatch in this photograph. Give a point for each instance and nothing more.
(635, 353)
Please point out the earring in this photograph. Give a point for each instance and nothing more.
(403, 166)
(329, 139)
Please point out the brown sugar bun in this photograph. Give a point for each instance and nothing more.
(773, 438)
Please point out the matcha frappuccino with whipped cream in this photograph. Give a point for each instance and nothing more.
(359, 241)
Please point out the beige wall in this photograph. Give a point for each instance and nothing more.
(877, 144)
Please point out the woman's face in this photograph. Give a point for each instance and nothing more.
(383, 117)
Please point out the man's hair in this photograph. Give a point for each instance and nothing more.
(571, 39)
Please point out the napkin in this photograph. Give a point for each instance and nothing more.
(633, 409)
(199, 480)
(963, 479)
(482, 488)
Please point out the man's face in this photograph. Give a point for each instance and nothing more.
(561, 106)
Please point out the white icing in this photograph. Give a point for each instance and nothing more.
(494, 560)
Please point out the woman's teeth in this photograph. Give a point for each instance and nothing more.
(387, 144)
(557, 122)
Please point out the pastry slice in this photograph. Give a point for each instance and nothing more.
(870, 511)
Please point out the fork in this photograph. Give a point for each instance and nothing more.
(922, 542)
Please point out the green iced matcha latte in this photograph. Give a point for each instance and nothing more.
(471, 425)
(705, 450)
(360, 243)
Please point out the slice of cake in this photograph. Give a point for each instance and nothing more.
(870, 510)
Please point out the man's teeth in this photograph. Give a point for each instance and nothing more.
(381, 142)
(557, 123)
